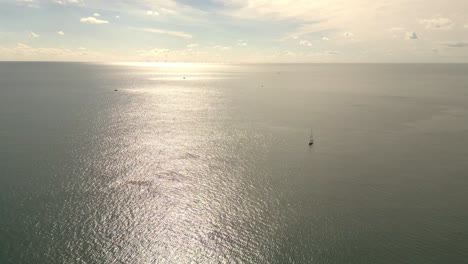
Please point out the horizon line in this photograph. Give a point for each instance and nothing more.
(190, 62)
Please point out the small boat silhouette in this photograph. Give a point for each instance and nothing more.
(311, 140)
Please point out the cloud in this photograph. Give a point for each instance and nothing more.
(437, 23)
(93, 20)
(24, 52)
(159, 51)
(160, 11)
(22, 46)
(152, 13)
(169, 55)
(60, 33)
(117, 17)
(180, 12)
(402, 33)
(411, 35)
(241, 43)
(29, 3)
(64, 2)
(305, 43)
(457, 44)
(168, 11)
(192, 45)
(368, 20)
(167, 32)
(34, 35)
(309, 16)
(367, 24)
(96, 15)
(223, 48)
(185, 11)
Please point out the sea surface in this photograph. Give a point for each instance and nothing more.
(210, 163)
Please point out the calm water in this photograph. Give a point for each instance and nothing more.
(215, 168)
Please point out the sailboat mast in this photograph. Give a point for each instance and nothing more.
(311, 141)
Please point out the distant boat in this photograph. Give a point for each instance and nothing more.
(311, 140)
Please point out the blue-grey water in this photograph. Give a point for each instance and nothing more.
(210, 163)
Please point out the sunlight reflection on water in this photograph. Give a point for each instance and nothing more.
(179, 178)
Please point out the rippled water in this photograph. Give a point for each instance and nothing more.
(192, 163)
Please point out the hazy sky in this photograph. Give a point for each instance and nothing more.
(235, 30)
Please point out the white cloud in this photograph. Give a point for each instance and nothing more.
(313, 16)
(370, 22)
(167, 11)
(61, 33)
(305, 43)
(192, 45)
(63, 2)
(93, 20)
(223, 48)
(160, 51)
(34, 35)
(240, 42)
(117, 17)
(22, 46)
(399, 32)
(152, 13)
(367, 19)
(161, 11)
(437, 23)
(24, 52)
(411, 35)
(167, 32)
(169, 55)
(96, 14)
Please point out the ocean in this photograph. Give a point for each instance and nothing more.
(210, 163)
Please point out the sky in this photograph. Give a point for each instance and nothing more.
(231, 31)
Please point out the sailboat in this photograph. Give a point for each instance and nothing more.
(311, 141)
